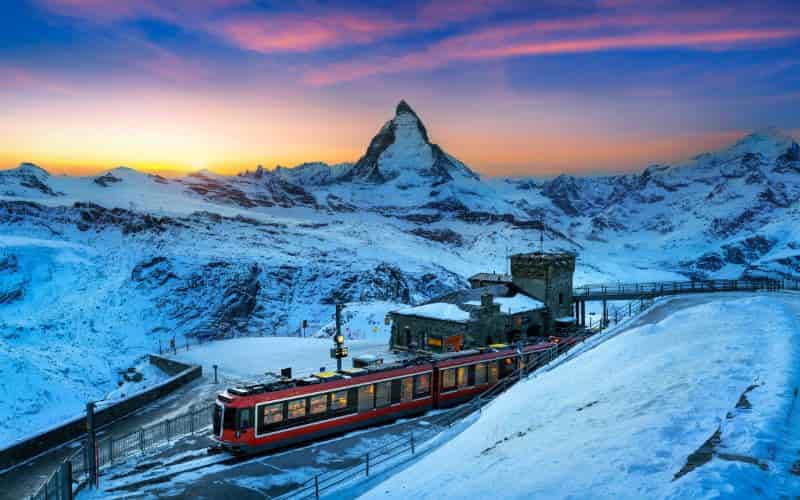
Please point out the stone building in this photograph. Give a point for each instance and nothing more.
(499, 308)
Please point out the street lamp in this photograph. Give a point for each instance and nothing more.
(339, 351)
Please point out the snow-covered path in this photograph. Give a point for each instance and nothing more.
(621, 420)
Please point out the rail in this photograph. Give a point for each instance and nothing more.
(395, 452)
(612, 291)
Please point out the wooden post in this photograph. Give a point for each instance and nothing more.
(316, 486)
(367, 464)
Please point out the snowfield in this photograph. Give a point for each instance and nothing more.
(621, 420)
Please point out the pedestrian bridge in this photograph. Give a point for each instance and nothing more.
(641, 291)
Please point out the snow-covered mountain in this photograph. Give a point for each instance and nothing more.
(102, 268)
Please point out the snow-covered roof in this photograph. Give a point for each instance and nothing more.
(514, 305)
(437, 310)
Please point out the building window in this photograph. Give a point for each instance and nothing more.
(480, 374)
(319, 404)
(422, 385)
(366, 397)
(461, 376)
(339, 400)
(406, 389)
(448, 379)
(297, 408)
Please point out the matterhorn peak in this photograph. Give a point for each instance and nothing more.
(402, 151)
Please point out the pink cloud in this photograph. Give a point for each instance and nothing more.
(180, 12)
(22, 79)
(439, 12)
(570, 36)
(298, 33)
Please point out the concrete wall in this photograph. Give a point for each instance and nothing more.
(75, 428)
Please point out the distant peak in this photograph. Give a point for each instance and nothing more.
(766, 134)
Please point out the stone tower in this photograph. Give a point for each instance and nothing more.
(547, 277)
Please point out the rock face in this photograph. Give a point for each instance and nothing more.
(402, 150)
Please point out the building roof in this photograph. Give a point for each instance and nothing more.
(457, 306)
(516, 304)
(496, 277)
(437, 310)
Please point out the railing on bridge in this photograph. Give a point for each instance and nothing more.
(660, 288)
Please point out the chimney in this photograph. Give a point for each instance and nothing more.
(487, 299)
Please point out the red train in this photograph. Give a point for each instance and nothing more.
(261, 417)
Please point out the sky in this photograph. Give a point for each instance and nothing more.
(509, 87)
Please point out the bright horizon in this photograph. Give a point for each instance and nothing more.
(174, 87)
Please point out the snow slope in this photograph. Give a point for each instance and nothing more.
(620, 420)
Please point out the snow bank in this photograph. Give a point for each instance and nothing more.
(621, 420)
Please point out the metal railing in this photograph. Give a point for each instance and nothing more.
(395, 452)
(112, 450)
(632, 290)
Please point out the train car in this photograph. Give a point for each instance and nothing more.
(268, 416)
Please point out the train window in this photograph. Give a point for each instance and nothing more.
(493, 372)
(319, 404)
(406, 389)
(297, 408)
(461, 376)
(448, 378)
(422, 385)
(382, 394)
(245, 422)
(273, 413)
(229, 418)
(480, 374)
(366, 397)
(339, 400)
(396, 391)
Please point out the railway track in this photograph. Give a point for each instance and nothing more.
(138, 480)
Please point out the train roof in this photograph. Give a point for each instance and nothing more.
(282, 384)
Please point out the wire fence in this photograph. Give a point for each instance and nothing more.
(393, 453)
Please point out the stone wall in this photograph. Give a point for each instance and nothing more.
(75, 428)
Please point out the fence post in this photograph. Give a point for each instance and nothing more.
(67, 484)
(316, 486)
(191, 420)
(110, 450)
(367, 464)
(412, 439)
(141, 440)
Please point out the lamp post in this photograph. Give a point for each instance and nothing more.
(339, 351)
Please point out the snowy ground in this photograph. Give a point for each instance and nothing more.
(621, 420)
(248, 358)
